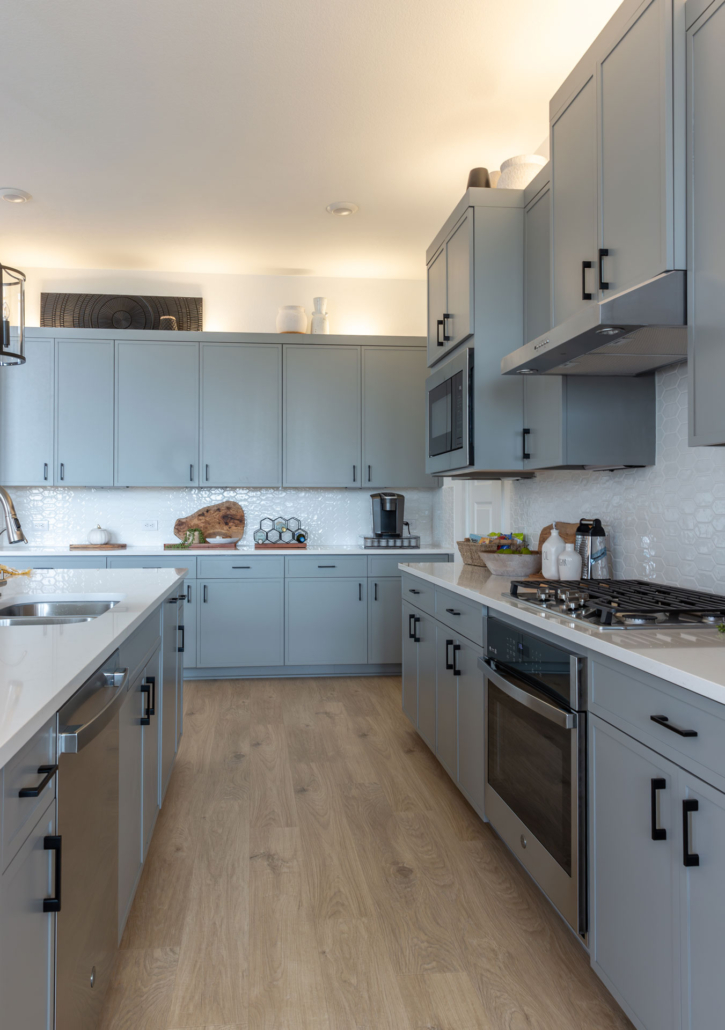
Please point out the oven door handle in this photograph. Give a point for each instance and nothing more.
(565, 720)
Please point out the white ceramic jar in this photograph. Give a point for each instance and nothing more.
(570, 563)
(550, 554)
(319, 320)
(291, 318)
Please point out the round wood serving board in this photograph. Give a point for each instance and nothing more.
(567, 532)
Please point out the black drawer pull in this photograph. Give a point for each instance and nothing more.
(62, 470)
(412, 591)
(449, 663)
(146, 689)
(585, 295)
(456, 670)
(205, 594)
(47, 772)
(689, 858)
(603, 252)
(359, 591)
(183, 640)
(411, 626)
(327, 566)
(188, 594)
(657, 783)
(416, 620)
(446, 318)
(439, 326)
(662, 720)
(53, 843)
(376, 592)
(241, 566)
(525, 455)
(452, 611)
(45, 470)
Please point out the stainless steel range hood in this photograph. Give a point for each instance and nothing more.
(628, 334)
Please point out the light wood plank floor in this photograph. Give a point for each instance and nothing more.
(313, 868)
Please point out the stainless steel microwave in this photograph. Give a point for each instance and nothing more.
(449, 415)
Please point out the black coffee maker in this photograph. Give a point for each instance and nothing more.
(388, 514)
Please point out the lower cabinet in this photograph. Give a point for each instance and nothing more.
(172, 681)
(190, 613)
(384, 626)
(151, 737)
(419, 671)
(241, 623)
(27, 941)
(326, 621)
(410, 617)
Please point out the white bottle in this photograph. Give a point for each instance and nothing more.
(550, 554)
(570, 563)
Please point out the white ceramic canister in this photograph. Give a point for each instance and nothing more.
(570, 563)
(319, 320)
(517, 172)
(291, 318)
(550, 554)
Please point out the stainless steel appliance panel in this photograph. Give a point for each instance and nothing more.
(449, 414)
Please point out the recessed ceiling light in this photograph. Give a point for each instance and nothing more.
(342, 207)
(14, 196)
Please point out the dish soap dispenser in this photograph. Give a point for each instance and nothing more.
(550, 554)
(570, 563)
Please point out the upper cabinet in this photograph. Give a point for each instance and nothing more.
(241, 414)
(450, 290)
(84, 431)
(706, 221)
(157, 414)
(393, 417)
(26, 417)
(537, 255)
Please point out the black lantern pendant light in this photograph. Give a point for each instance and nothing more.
(12, 306)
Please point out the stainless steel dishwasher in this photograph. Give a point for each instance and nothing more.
(88, 828)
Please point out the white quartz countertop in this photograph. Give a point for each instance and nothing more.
(140, 550)
(42, 666)
(692, 658)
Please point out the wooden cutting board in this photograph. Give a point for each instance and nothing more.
(97, 547)
(567, 532)
(224, 519)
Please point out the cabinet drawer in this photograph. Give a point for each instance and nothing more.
(60, 562)
(179, 561)
(635, 698)
(242, 567)
(387, 565)
(327, 566)
(133, 652)
(22, 772)
(462, 616)
(419, 592)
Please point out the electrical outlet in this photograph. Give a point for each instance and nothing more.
(153, 524)
(40, 525)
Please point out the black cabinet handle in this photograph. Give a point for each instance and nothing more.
(456, 670)
(370, 473)
(411, 626)
(449, 663)
(183, 640)
(327, 566)
(689, 858)
(525, 454)
(416, 620)
(181, 597)
(657, 783)
(241, 566)
(354, 473)
(45, 470)
(206, 593)
(146, 689)
(412, 591)
(191, 473)
(47, 772)
(188, 593)
(206, 472)
(603, 252)
(662, 720)
(452, 611)
(585, 295)
(439, 326)
(446, 337)
(54, 843)
(376, 592)
(62, 470)
(359, 591)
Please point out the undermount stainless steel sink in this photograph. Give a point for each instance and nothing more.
(52, 613)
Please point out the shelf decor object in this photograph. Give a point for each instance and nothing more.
(122, 311)
(291, 318)
(96, 547)
(320, 321)
(279, 532)
(216, 526)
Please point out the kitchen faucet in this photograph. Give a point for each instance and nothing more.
(12, 522)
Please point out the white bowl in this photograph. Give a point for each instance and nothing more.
(516, 566)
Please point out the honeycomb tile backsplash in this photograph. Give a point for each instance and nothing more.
(339, 517)
(665, 523)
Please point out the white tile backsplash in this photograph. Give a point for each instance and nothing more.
(337, 517)
(666, 522)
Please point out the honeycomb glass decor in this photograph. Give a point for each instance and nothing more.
(273, 536)
(280, 531)
(287, 536)
(280, 524)
(293, 524)
(266, 525)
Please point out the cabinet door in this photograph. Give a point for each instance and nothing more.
(157, 414)
(326, 622)
(26, 418)
(410, 661)
(84, 412)
(130, 797)
(241, 414)
(322, 424)
(189, 614)
(394, 417)
(574, 203)
(703, 906)
(151, 741)
(384, 622)
(633, 877)
(459, 279)
(446, 702)
(426, 630)
(436, 306)
(27, 937)
(537, 266)
(241, 623)
(169, 690)
(544, 419)
(470, 722)
(636, 151)
(706, 216)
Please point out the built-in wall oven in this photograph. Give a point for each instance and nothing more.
(449, 414)
(535, 784)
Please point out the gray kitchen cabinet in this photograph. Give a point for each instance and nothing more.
(384, 625)
(451, 291)
(60, 561)
(322, 416)
(436, 305)
(419, 671)
(634, 885)
(326, 621)
(157, 414)
(241, 414)
(190, 613)
(26, 417)
(130, 797)
(537, 256)
(169, 697)
(84, 374)
(27, 939)
(393, 417)
(446, 701)
(410, 618)
(706, 223)
(151, 749)
(241, 623)
(470, 722)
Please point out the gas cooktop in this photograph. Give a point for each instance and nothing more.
(622, 603)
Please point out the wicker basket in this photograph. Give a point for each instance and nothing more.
(471, 553)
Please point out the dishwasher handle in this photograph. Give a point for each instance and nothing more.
(73, 739)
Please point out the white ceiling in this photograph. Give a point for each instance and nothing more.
(208, 135)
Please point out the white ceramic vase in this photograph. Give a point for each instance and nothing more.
(517, 172)
(320, 322)
(570, 563)
(291, 318)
